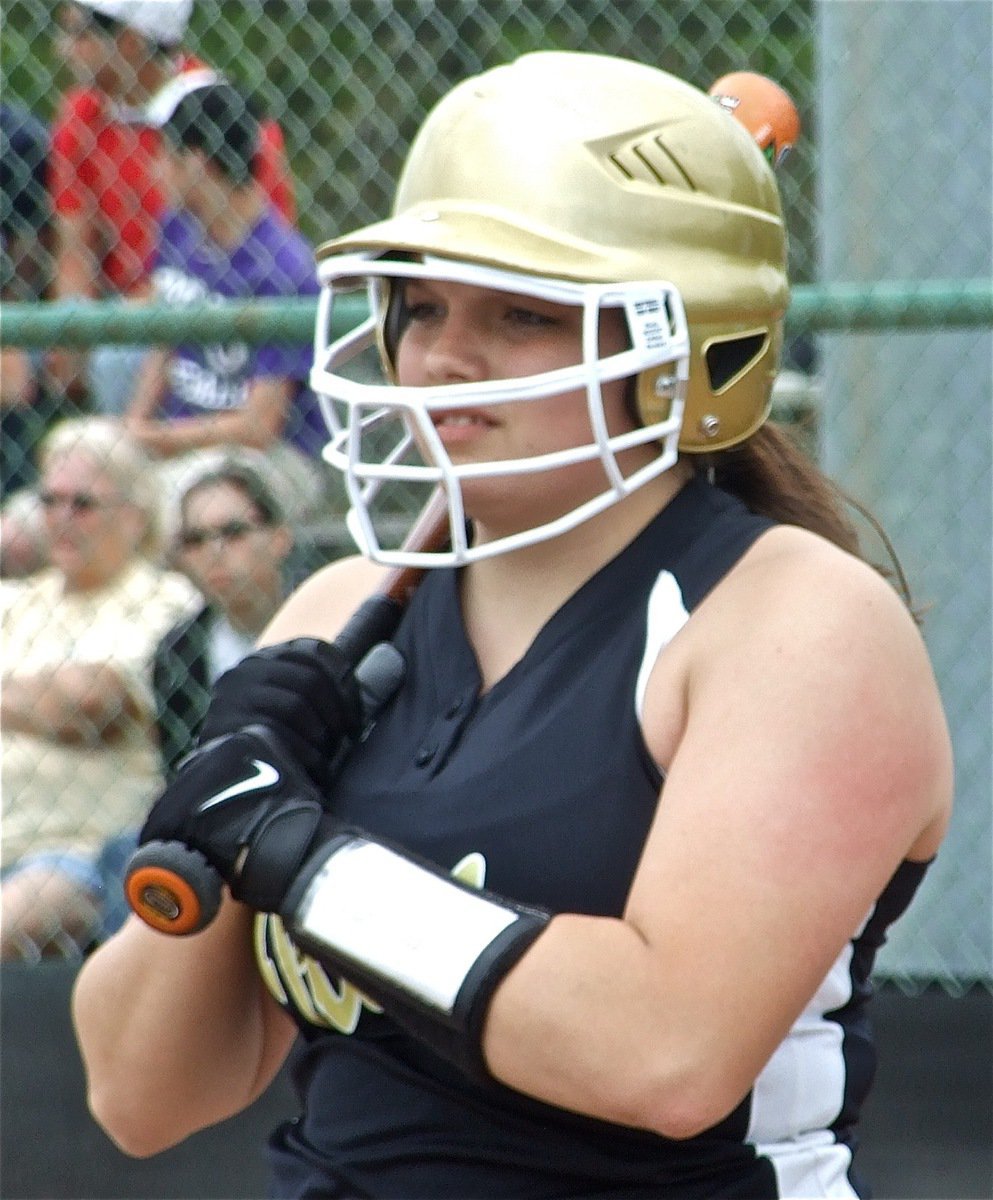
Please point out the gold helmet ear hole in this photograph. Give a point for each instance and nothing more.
(727, 359)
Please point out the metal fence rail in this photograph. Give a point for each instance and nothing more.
(952, 304)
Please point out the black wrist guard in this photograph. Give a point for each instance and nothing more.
(427, 948)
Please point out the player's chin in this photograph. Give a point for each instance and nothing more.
(510, 501)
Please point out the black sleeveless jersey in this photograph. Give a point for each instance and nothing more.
(542, 790)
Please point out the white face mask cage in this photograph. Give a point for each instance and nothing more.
(373, 424)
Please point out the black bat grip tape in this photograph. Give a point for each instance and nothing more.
(375, 620)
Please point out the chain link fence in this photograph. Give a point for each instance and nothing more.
(890, 183)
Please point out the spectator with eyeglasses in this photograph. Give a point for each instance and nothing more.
(79, 753)
(233, 542)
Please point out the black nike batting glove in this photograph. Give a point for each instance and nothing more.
(244, 804)
(303, 690)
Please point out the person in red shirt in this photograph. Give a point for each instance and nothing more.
(104, 176)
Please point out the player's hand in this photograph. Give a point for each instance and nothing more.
(303, 690)
(243, 802)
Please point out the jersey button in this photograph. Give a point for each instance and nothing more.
(425, 755)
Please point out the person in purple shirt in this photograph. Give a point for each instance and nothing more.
(227, 242)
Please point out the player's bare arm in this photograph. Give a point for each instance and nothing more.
(683, 1001)
(227, 1037)
(218, 1036)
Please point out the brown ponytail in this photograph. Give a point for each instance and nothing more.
(774, 477)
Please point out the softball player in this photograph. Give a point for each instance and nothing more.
(589, 907)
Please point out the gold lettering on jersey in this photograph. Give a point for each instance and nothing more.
(298, 981)
(270, 976)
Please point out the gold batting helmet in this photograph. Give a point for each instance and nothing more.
(596, 169)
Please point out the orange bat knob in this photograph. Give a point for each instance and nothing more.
(172, 888)
(763, 107)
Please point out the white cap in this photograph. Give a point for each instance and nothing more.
(165, 101)
(161, 21)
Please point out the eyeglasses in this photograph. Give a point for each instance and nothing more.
(230, 531)
(78, 503)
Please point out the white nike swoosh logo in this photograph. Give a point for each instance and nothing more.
(265, 775)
